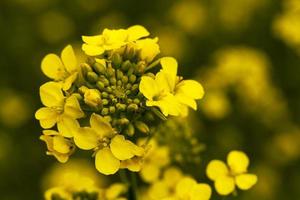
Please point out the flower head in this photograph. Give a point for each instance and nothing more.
(234, 173)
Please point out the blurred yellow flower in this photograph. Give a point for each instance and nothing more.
(60, 110)
(155, 159)
(63, 69)
(225, 178)
(58, 146)
(112, 39)
(176, 186)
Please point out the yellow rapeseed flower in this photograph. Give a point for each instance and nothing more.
(112, 39)
(110, 148)
(58, 109)
(169, 92)
(63, 69)
(148, 48)
(226, 177)
(58, 146)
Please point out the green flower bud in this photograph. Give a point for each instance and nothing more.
(99, 68)
(123, 121)
(112, 109)
(121, 107)
(104, 111)
(135, 87)
(130, 70)
(85, 68)
(130, 130)
(113, 81)
(136, 101)
(104, 94)
(110, 71)
(125, 79)
(142, 127)
(132, 78)
(92, 77)
(132, 107)
(119, 75)
(105, 102)
(119, 83)
(100, 85)
(128, 86)
(126, 65)
(116, 60)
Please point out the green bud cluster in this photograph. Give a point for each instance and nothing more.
(117, 78)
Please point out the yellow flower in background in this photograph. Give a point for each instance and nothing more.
(58, 146)
(169, 92)
(60, 110)
(148, 48)
(176, 186)
(112, 39)
(155, 159)
(226, 177)
(188, 189)
(63, 69)
(110, 149)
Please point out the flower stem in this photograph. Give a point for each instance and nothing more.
(134, 185)
(153, 64)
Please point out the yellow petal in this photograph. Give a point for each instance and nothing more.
(106, 162)
(61, 145)
(115, 190)
(200, 192)
(101, 126)
(51, 94)
(148, 87)
(124, 149)
(92, 50)
(216, 169)
(67, 126)
(238, 162)
(45, 113)
(48, 123)
(190, 88)
(148, 49)
(224, 185)
(52, 67)
(69, 59)
(150, 172)
(86, 138)
(69, 81)
(136, 32)
(186, 101)
(134, 164)
(93, 40)
(171, 176)
(72, 108)
(184, 186)
(169, 67)
(245, 181)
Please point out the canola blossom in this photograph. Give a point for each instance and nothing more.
(119, 104)
(106, 103)
(227, 177)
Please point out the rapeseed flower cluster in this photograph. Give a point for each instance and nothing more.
(115, 97)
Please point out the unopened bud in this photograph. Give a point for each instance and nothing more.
(92, 97)
(92, 77)
(142, 127)
(116, 60)
(130, 130)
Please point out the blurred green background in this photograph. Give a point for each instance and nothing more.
(246, 53)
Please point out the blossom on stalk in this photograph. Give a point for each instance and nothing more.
(227, 177)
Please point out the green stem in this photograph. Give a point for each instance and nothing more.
(123, 176)
(134, 185)
(153, 64)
